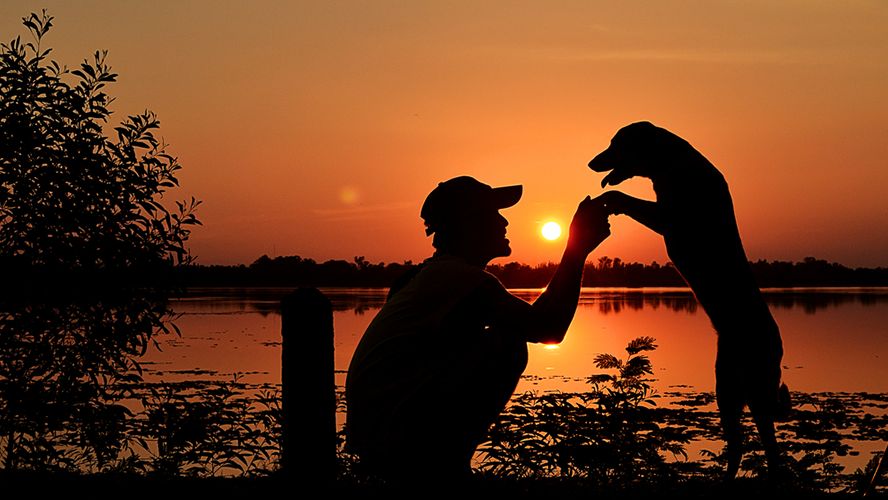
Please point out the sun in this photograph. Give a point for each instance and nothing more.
(551, 231)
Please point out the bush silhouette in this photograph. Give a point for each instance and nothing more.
(86, 251)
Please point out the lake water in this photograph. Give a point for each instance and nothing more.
(835, 340)
(224, 331)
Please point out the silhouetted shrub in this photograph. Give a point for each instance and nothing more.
(87, 254)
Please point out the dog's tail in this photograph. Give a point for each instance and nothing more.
(784, 404)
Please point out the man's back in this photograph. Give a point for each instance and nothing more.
(404, 359)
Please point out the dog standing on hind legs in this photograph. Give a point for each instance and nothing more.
(695, 215)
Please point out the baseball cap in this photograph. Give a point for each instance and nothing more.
(454, 199)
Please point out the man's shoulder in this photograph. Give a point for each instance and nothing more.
(447, 269)
(449, 263)
(441, 276)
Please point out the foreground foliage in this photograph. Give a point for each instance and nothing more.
(193, 429)
(615, 438)
(213, 429)
(606, 435)
(87, 252)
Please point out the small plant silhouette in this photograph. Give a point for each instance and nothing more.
(606, 435)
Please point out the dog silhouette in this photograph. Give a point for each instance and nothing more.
(695, 214)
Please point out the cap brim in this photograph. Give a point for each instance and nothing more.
(506, 196)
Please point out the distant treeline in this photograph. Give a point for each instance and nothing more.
(295, 271)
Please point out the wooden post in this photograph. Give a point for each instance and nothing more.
(307, 318)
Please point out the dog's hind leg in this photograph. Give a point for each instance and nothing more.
(730, 409)
(765, 412)
(730, 394)
(765, 425)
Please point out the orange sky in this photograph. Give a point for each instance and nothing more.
(318, 128)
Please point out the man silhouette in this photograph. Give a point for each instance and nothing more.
(442, 358)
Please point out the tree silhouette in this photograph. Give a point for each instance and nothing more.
(87, 253)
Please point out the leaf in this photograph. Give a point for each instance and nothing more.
(641, 344)
(89, 70)
(637, 367)
(607, 361)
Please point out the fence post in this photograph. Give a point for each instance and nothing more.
(307, 318)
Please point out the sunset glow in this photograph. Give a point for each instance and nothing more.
(318, 128)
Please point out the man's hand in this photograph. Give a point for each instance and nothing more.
(614, 202)
(589, 226)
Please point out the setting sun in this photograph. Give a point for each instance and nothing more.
(551, 230)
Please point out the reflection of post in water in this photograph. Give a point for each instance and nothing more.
(307, 317)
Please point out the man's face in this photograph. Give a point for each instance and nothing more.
(487, 230)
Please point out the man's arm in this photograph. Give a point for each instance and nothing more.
(547, 320)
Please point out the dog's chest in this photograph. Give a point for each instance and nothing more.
(693, 202)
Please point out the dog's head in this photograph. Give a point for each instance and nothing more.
(639, 150)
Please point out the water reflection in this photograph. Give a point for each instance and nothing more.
(833, 338)
(232, 300)
(607, 300)
(615, 300)
(811, 300)
(358, 299)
